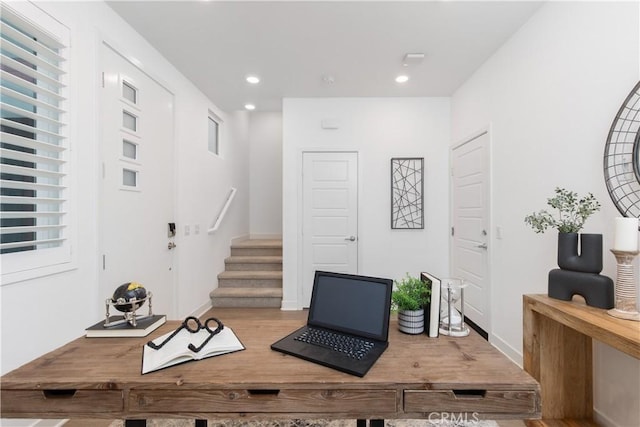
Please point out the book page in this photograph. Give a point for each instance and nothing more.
(224, 342)
(177, 350)
(174, 351)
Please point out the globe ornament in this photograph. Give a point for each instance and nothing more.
(129, 297)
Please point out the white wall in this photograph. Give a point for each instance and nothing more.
(51, 311)
(204, 181)
(265, 170)
(379, 129)
(550, 95)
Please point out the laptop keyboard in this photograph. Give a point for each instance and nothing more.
(356, 348)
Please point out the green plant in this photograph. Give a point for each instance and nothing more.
(410, 293)
(571, 214)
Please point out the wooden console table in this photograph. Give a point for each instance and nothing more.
(417, 376)
(558, 352)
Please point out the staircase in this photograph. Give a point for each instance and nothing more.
(252, 276)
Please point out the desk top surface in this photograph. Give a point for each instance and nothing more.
(416, 360)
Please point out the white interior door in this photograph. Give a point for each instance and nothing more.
(137, 191)
(330, 216)
(470, 234)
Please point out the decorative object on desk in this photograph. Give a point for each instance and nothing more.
(579, 272)
(119, 328)
(192, 340)
(410, 297)
(625, 237)
(432, 308)
(622, 157)
(452, 320)
(127, 298)
(625, 249)
(411, 321)
(407, 188)
(588, 259)
(596, 289)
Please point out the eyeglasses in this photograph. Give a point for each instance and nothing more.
(193, 325)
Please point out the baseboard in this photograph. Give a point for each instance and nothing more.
(202, 309)
(266, 236)
(473, 325)
(255, 236)
(289, 306)
(240, 238)
(506, 349)
(603, 420)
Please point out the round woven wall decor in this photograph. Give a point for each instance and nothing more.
(622, 157)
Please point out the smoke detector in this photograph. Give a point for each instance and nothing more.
(412, 59)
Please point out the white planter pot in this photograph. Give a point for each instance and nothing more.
(411, 321)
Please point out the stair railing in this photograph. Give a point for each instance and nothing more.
(223, 211)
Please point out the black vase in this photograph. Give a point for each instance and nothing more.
(589, 260)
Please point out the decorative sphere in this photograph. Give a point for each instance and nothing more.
(127, 292)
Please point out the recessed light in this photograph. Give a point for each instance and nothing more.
(402, 79)
(249, 107)
(254, 80)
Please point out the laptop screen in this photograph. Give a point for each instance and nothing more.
(349, 303)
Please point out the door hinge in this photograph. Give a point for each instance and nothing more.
(452, 231)
(103, 79)
(104, 262)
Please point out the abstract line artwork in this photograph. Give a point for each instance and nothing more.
(407, 186)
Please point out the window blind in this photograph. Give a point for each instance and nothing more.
(33, 148)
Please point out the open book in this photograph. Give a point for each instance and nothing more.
(177, 351)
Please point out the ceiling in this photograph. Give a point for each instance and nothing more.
(324, 48)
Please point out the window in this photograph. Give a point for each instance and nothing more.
(34, 146)
(129, 178)
(129, 92)
(214, 134)
(129, 149)
(129, 121)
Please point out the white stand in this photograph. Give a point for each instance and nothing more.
(625, 288)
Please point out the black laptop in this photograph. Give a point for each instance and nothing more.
(348, 324)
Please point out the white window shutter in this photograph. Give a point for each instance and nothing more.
(34, 144)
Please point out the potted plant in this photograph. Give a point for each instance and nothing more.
(409, 297)
(571, 212)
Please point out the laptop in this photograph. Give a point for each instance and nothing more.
(348, 324)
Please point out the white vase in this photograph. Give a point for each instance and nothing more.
(411, 321)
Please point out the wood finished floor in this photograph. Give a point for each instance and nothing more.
(227, 315)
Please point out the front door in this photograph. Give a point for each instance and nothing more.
(470, 233)
(137, 191)
(330, 215)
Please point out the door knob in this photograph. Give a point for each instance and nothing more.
(482, 246)
(171, 245)
(350, 238)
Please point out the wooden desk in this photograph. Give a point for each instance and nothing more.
(558, 352)
(416, 376)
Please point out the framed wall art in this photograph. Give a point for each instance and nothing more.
(407, 188)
